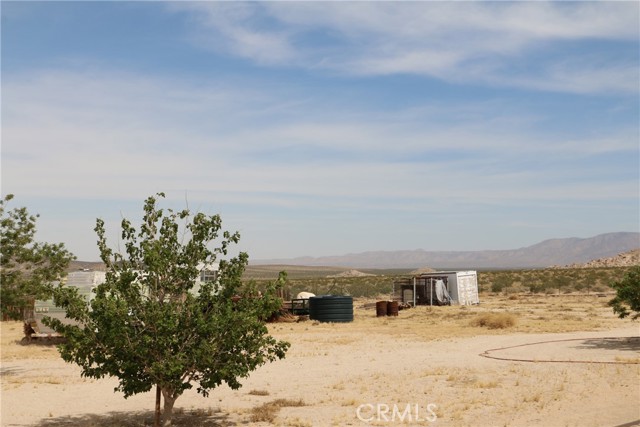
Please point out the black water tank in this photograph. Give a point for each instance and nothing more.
(331, 308)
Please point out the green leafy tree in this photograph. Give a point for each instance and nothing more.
(627, 299)
(148, 326)
(27, 268)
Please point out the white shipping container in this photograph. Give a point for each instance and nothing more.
(461, 285)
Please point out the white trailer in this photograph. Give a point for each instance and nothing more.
(86, 281)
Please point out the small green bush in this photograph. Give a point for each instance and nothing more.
(627, 299)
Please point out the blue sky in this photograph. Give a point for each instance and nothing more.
(326, 128)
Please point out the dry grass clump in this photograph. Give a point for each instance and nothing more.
(31, 380)
(259, 392)
(297, 422)
(494, 320)
(267, 412)
(628, 359)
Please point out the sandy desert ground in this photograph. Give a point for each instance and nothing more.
(567, 361)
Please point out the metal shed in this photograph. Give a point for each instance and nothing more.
(439, 288)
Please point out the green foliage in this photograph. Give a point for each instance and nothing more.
(627, 299)
(26, 267)
(147, 325)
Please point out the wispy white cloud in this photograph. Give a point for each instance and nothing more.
(265, 47)
(462, 42)
(125, 135)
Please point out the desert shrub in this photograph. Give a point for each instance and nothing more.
(601, 288)
(494, 320)
(264, 413)
(537, 287)
(561, 281)
(500, 283)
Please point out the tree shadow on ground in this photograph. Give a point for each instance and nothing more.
(623, 344)
(5, 372)
(192, 418)
(40, 342)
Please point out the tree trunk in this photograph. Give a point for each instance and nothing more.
(169, 400)
(156, 421)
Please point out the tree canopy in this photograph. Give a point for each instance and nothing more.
(627, 299)
(27, 267)
(150, 325)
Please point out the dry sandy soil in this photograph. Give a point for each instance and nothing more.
(567, 361)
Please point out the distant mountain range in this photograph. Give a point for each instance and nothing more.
(548, 253)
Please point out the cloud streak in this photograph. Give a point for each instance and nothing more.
(456, 42)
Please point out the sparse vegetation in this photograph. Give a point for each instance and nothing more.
(550, 280)
(540, 281)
